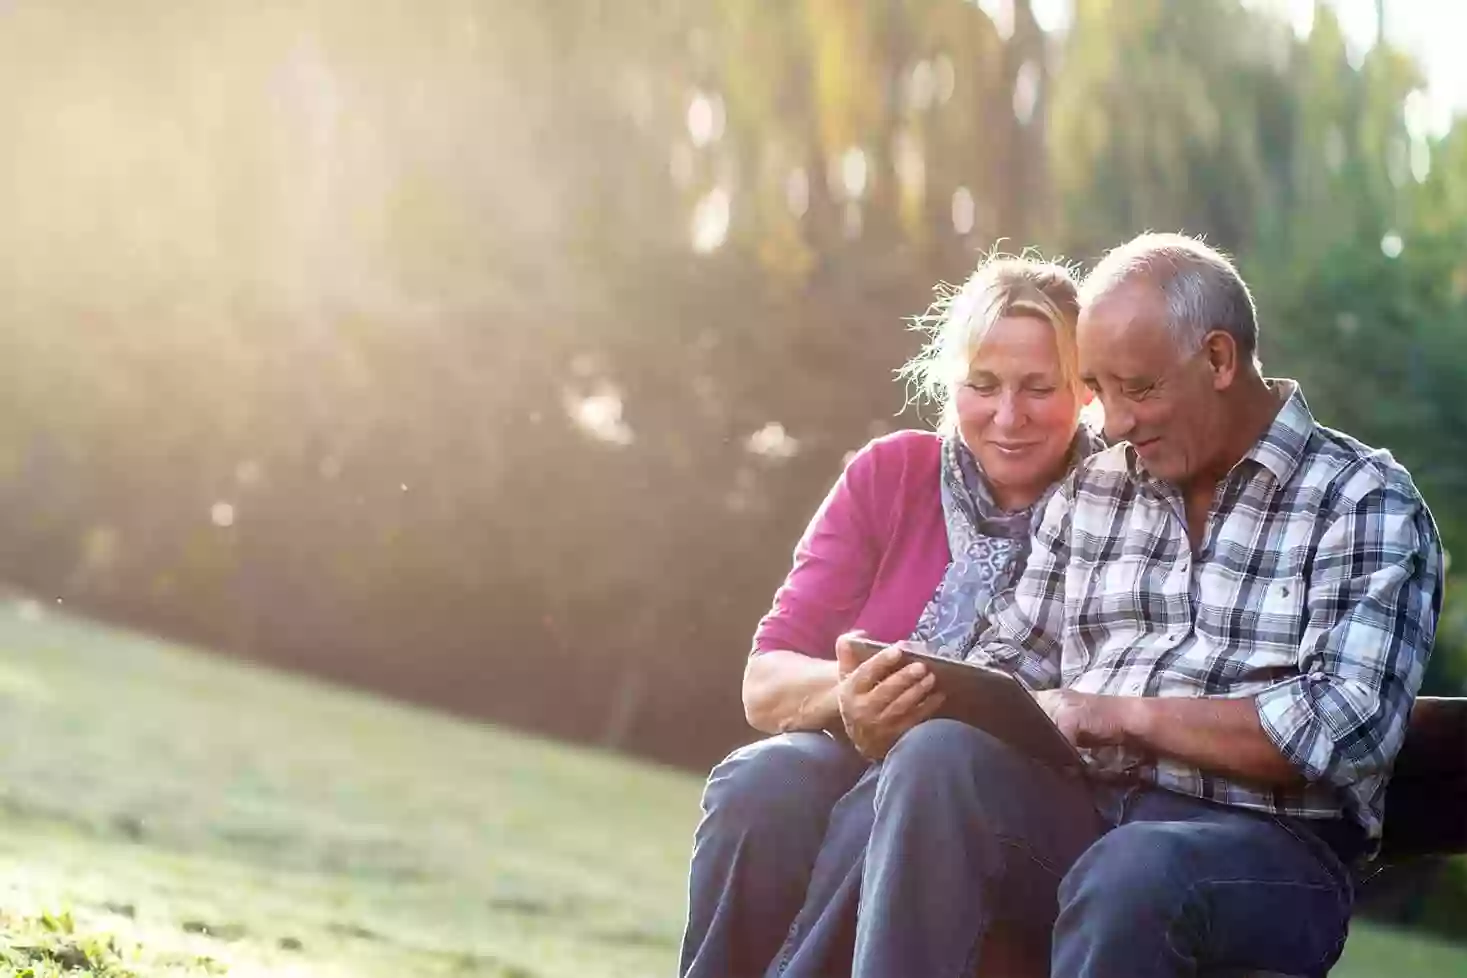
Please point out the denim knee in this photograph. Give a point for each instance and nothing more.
(1129, 876)
(781, 781)
(936, 750)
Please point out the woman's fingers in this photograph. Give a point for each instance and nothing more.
(909, 699)
(874, 671)
(888, 690)
(929, 707)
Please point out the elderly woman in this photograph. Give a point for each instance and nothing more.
(915, 539)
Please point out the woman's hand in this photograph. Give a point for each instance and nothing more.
(880, 699)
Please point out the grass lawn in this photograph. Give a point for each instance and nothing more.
(167, 813)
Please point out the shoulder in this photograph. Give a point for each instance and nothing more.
(890, 475)
(1101, 475)
(1346, 472)
(898, 451)
(907, 443)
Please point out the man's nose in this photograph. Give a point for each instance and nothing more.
(1119, 421)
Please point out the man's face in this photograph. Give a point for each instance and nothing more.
(1161, 398)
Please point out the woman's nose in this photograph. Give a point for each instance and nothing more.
(1006, 414)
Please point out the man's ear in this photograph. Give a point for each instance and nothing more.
(1221, 350)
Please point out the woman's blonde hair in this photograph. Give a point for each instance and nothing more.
(960, 318)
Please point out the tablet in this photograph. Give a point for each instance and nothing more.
(994, 701)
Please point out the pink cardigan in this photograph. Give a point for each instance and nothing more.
(872, 555)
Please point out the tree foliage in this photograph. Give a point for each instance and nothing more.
(495, 354)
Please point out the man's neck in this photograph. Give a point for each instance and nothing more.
(1254, 407)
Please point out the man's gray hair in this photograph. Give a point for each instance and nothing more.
(1203, 290)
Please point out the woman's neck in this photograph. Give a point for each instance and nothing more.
(1013, 499)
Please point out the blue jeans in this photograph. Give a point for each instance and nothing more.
(1131, 881)
(954, 834)
(771, 812)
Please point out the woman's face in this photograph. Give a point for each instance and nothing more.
(1015, 412)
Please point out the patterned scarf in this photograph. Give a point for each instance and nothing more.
(988, 545)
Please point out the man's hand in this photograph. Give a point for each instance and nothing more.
(1086, 719)
(879, 701)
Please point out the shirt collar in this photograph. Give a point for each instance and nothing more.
(1282, 447)
(1280, 450)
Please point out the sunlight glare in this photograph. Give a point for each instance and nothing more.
(705, 119)
(921, 86)
(1052, 16)
(599, 415)
(853, 172)
(947, 78)
(1360, 25)
(1420, 160)
(965, 211)
(772, 441)
(710, 221)
(1026, 92)
(1301, 18)
(1001, 12)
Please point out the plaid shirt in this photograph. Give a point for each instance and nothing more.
(1315, 592)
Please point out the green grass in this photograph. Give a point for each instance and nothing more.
(164, 813)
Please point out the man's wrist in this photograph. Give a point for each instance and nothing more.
(1132, 717)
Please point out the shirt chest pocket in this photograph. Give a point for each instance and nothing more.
(1267, 625)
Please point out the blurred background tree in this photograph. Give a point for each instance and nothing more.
(494, 355)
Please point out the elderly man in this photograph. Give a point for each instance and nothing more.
(1231, 610)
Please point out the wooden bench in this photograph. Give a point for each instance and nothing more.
(1426, 804)
(1426, 816)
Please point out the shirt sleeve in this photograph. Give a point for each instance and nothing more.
(1026, 622)
(834, 565)
(1373, 600)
